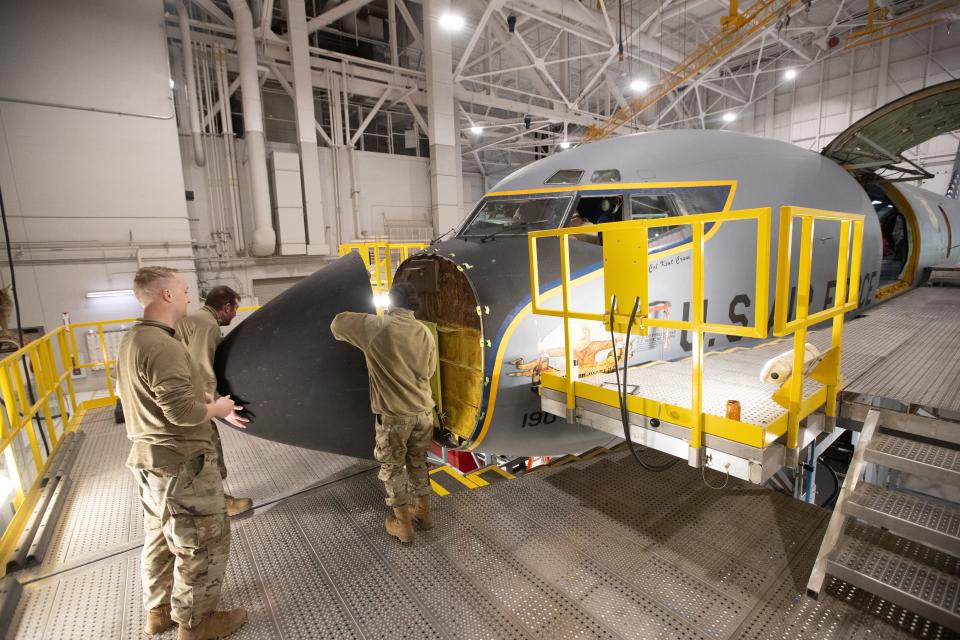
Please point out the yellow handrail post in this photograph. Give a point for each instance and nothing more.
(13, 420)
(106, 358)
(800, 336)
(44, 389)
(67, 367)
(568, 352)
(27, 421)
(695, 458)
(57, 381)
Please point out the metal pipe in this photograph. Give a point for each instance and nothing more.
(220, 55)
(186, 44)
(264, 237)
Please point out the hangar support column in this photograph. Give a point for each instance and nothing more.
(306, 128)
(445, 172)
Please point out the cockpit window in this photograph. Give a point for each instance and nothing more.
(676, 201)
(606, 175)
(516, 216)
(565, 176)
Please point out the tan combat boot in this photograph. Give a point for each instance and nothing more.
(218, 624)
(399, 525)
(236, 506)
(158, 620)
(422, 513)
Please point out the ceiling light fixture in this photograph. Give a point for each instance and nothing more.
(452, 22)
(565, 144)
(790, 74)
(639, 86)
(114, 293)
(729, 116)
(476, 130)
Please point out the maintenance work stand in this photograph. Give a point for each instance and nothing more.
(590, 546)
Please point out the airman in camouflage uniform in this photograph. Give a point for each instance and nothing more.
(401, 357)
(167, 414)
(200, 333)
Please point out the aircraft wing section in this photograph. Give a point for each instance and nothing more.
(875, 143)
(301, 386)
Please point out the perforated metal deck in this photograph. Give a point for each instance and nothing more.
(592, 549)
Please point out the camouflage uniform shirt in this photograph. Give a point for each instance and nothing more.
(200, 332)
(401, 359)
(162, 395)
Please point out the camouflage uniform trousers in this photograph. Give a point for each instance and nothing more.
(187, 537)
(221, 461)
(401, 450)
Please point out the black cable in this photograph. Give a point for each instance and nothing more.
(836, 484)
(622, 391)
(16, 308)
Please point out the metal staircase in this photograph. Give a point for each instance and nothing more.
(900, 546)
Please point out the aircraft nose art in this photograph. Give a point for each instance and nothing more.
(299, 385)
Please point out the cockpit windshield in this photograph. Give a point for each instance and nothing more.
(515, 217)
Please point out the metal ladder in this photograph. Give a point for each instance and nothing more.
(898, 545)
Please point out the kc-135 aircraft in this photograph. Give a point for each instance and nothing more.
(304, 388)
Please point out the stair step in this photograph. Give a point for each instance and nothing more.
(927, 521)
(905, 573)
(928, 460)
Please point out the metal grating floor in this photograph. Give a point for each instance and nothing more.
(903, 350)
(592, 549)
(910, 508)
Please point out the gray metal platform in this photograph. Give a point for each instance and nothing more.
(595, 548)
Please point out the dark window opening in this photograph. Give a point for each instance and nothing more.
(894, 233)
(606, 176)
(592, 210)
(565, 176)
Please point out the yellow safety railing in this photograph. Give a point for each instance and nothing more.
(827, 370)
(626, 259)
(45, 368)
(381, 259)
(34, 381)
(105, 361)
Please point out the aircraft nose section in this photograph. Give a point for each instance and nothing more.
(298, 383)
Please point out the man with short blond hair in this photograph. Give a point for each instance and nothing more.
(200, 333)
(167, 414)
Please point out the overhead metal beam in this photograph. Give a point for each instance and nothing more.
(415, 112)
(492, 5)
(342, 10)
(507, 138)
(214, 11)
(283, 82)
(411, 24)
(366, 121)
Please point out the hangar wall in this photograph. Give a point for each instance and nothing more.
(89, 160)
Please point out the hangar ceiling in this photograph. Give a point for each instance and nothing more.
(534, 74)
